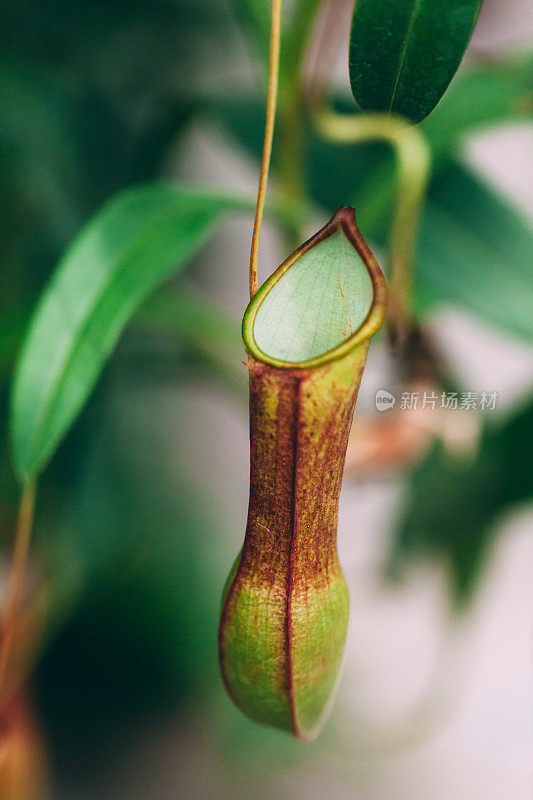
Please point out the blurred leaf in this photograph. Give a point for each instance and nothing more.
(404, 53)
(296, 35)
(104, 74)
(516, 445)
(37, 153)
(255, 18)
(474, 250)
(213, 336)
(336, 175)
(450, 506)
(480, 96)
(166, 120)
(194, 318)
(453, 502)
(130, 247)
(123, 48)
(14, 320)
(363, 175)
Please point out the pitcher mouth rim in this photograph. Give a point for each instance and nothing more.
(343, 219)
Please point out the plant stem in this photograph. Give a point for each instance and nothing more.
(412, 171)
(16, 580)
(273, 78)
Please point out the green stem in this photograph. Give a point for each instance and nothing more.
(412, 174)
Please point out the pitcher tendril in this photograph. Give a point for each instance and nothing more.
(272, 99)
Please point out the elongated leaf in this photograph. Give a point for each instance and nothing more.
(475, 250)
(127, 250)
(404, 53)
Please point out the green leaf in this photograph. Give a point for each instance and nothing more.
(475, 250)
(137, 241)
(404, 53)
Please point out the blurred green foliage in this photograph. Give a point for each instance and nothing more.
(454, 504)
(96, 97)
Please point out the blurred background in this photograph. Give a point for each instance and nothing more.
(143, 509)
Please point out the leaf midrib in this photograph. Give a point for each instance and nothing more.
(414, 12)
